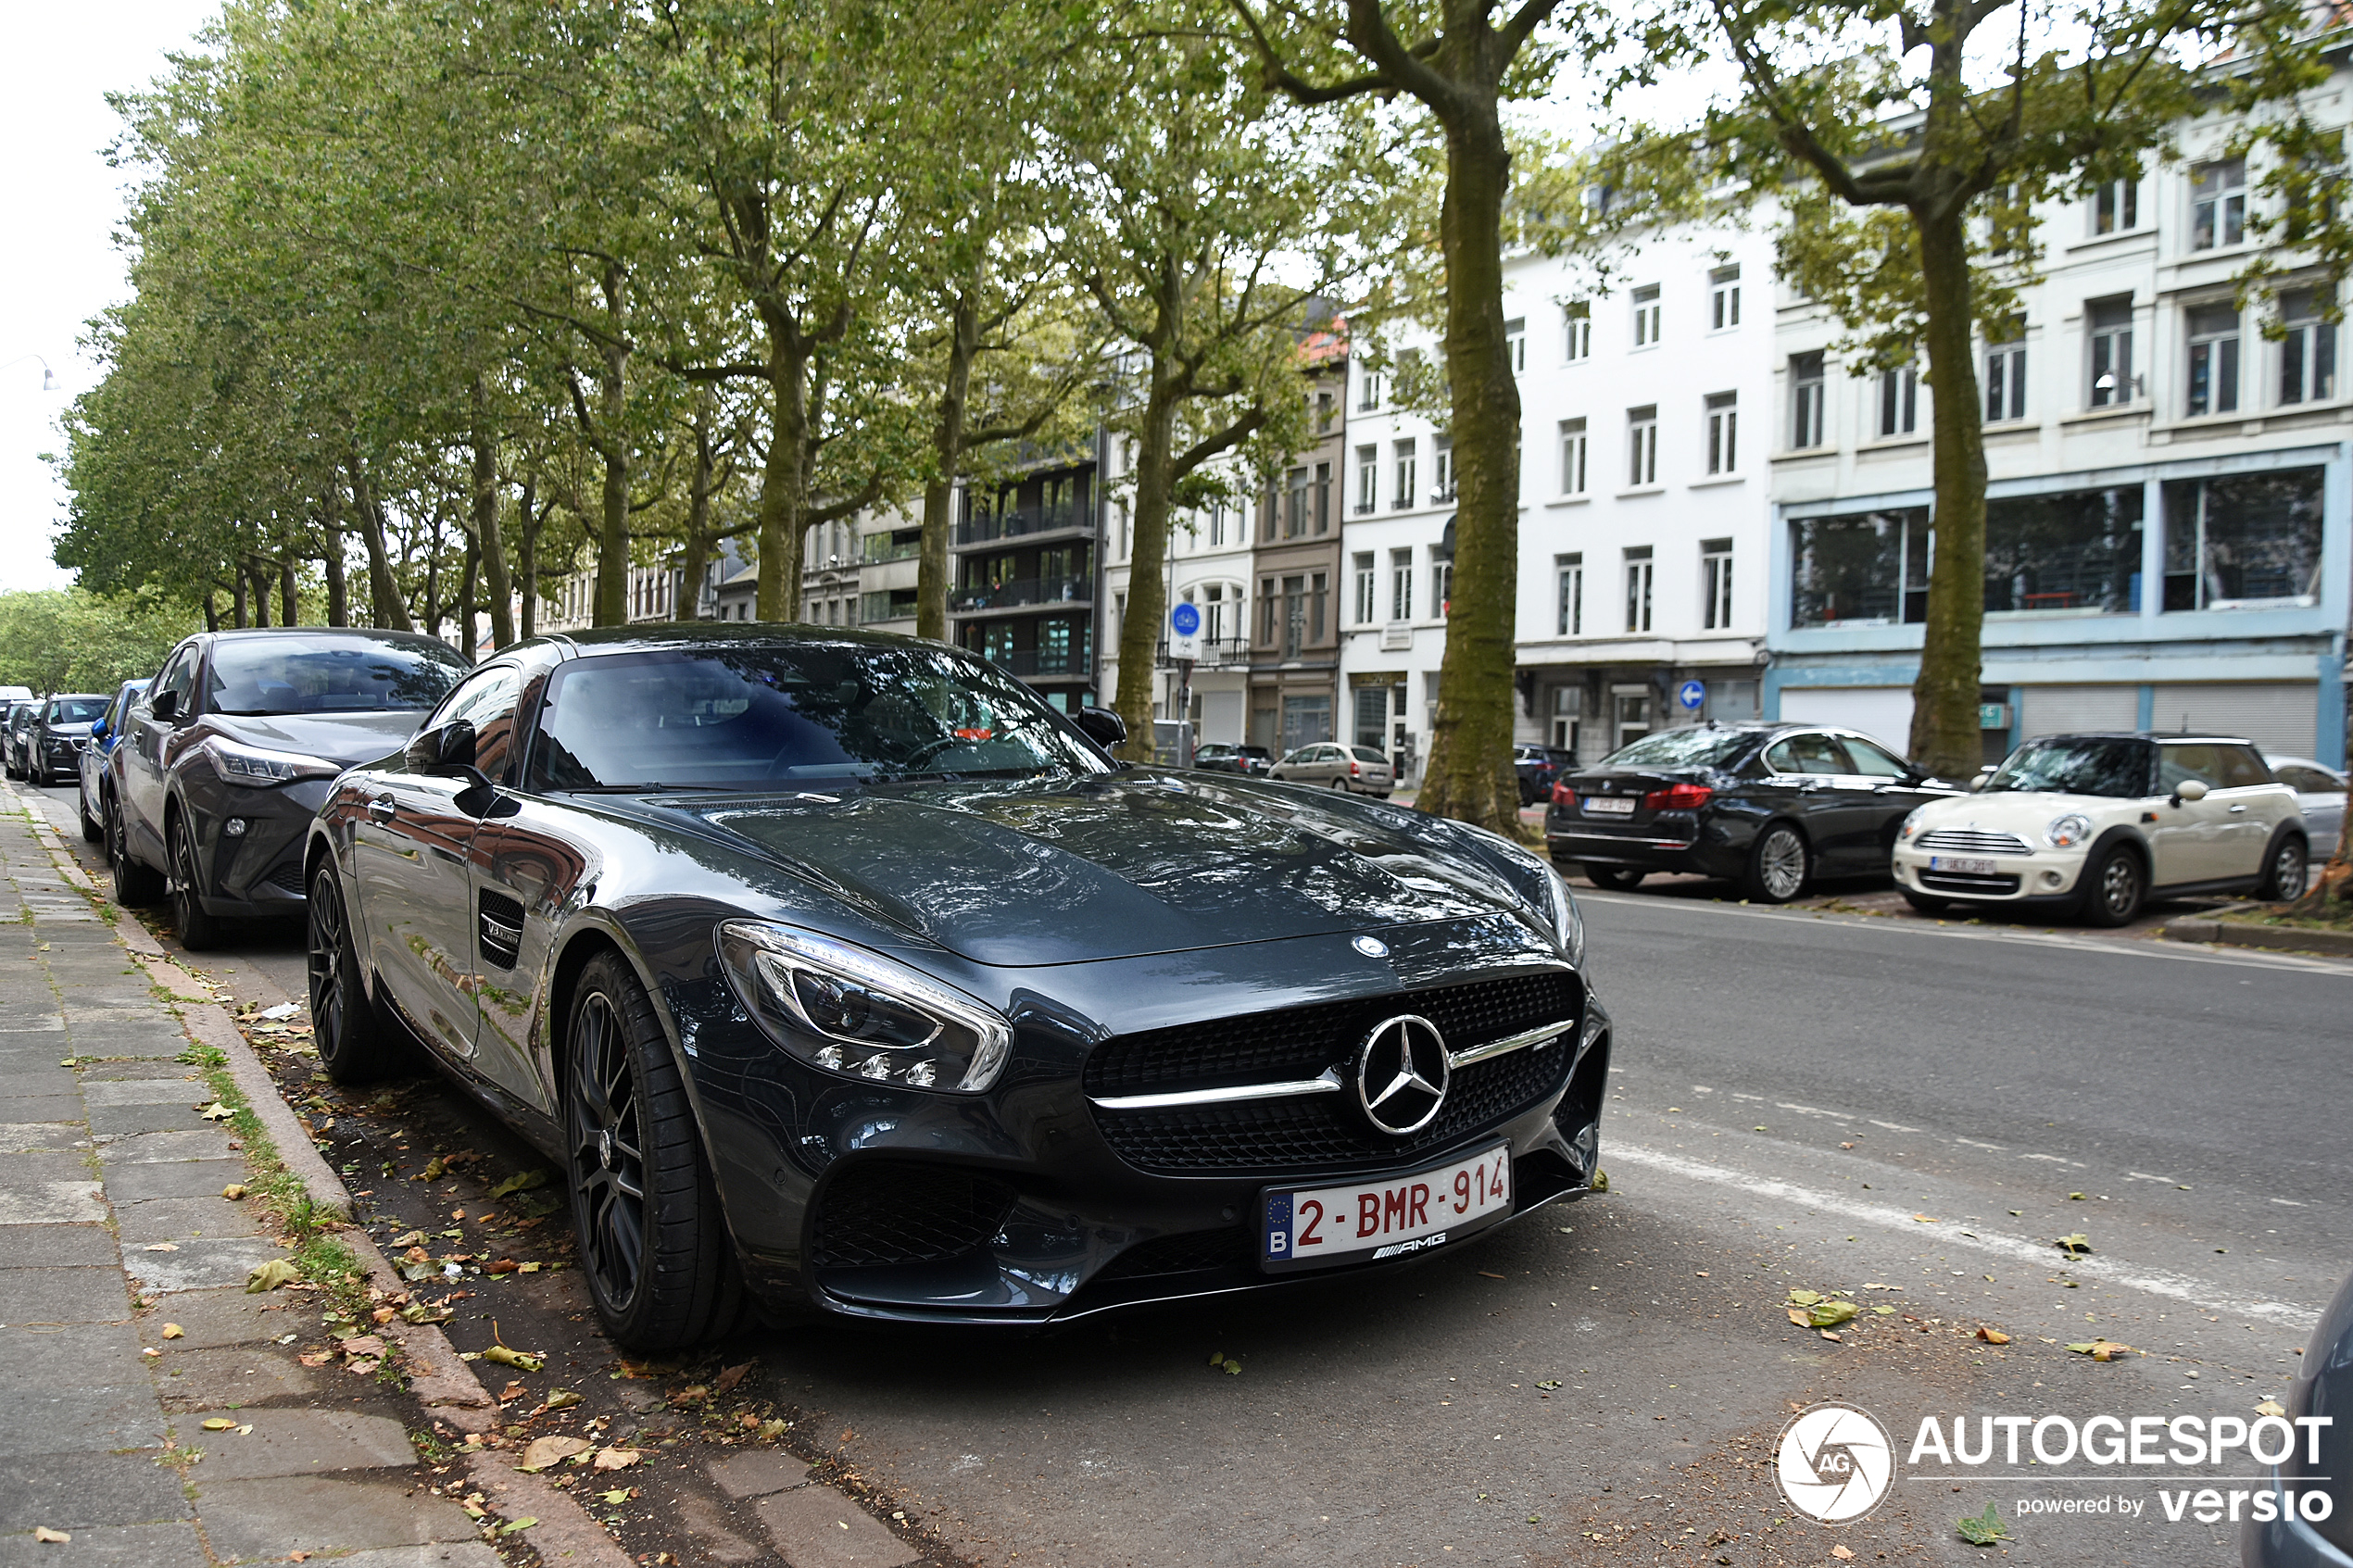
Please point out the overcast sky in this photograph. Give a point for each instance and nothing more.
(58, 265)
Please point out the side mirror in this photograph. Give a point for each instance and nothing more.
(1102, 726)
(2189, 789)
(443, 750)
(98, 729)
(165, 705)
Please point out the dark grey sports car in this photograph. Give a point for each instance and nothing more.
(838, 966)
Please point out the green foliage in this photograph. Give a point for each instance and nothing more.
(71, 640)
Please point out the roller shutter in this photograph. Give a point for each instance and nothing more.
(2059, 710)
(2280, 717)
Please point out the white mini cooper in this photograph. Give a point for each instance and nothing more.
(2097, 824)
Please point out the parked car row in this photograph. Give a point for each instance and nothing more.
(2090, 826)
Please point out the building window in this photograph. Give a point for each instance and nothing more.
(2308, 354)
(1323, 411)
(2218, 204)
(1516, 342)
(2214, 359)
(1572, 571)
(1572, 457)
(1724, 299)
(1400, 494)
(1368, 391)
(1579, 332)
(2005, 372)
(1367, 477)
(1715, 583)
(1568, 713)
(1296, 500)
(1646, 316)
(2111, 328)
(1441, 464)
(1641, 444)
(1363, 565)
(1322, 498)
(1372, 717)
(1809, 399)
(1400, 584)
(1213, 614)
(1319, 593)
(1899, 401)
(2116, 206)
(1638, 587)
(2244, 540)
(1441, 586)
(1723, 432)
(1863, 568)
(2075, 551)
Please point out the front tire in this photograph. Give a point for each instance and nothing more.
(135, 886)
(2114, 887)
(2286, 872)
(1615, 878)
(1779, 865)
(356, 1042)
(199, 932)
(92, 830)
(654, 1246)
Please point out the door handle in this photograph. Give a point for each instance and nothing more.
(2237, 809)
(381, 808)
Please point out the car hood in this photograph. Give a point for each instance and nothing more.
(340, 738)
(2024, 812)
(67, 731)
(1065, 871)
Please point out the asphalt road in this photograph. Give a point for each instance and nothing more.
(1893, 1108)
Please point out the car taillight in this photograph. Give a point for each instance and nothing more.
(1564, 796)
(1678, 797)
(1354, 772)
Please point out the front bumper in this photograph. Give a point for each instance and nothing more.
(2285, 1541)
(2035, 880)
(249, 843)
(1033, 1204)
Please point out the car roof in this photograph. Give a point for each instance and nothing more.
(733, 634)
(358, 633)
(2194, 737)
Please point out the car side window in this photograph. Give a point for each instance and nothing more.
(2177, 764)
(2243, 766)
(1807, 754)
(2307, 781)
(486, 699)
(179, 676)
(1874, 760)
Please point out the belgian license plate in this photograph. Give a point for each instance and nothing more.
(1963, 864)
(1385, 1217)
(1609, 806)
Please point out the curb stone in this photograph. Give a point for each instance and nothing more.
(2213, 926)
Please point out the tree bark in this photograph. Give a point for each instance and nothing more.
(1469, 775)
(1946, 738)
(1148, 558)
(432, 618)
(527, 558)
(497, 586)
(466, 600)
(289, 600)
(211, 612)
(947, 457)
(237, 597)
(783, 500)
(330, 551)
(387, 609)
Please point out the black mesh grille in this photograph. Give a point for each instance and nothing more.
(1301, 1042)
(883, 1211)
(286, 877)
(1189, 1252)
(1326, 1132)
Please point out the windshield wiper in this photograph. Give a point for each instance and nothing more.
(649, 788)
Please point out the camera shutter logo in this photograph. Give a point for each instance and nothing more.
(1834, 1461)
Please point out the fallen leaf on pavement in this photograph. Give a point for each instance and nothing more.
(2076, 1197)
(2270, 1407)
(316, 1358)
(1841, 1554)
(2075, 1244)
(1798, 1316)
(51, 1537)
(2102, 1349)
(617, 1495)
(437, 1168)
(511, 1525)
(1803, 1298)
(269, 1276)
(729, 1376)
(519, 1359)
(173, 1331)
(364, 1345)
(522, 1181)
(1983, 1530)
(217, 1111)
(1925, 1219)
(162, 1246)
(499, 1266)
(220, 1423)
(563, 1399)
(541, 1452)
(617, 1459)
(1828, 1314)
(1993, 1336)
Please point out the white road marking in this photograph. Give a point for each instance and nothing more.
(1974, 1143)
(1896, 1126)
(1816, 1111)
(2206, 1293)
(2144, 1176)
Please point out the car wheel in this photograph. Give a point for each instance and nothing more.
(92, 830)
(2114, 887)
(135, 886)
(1341, 784)
(2285, 873)
(1779, 865)
(1924, 903)
(1613, 877)
(356, 1042)
(653, 1243)
(199, 932)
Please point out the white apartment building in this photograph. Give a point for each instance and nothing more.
(1644, 506)
(2167, 535)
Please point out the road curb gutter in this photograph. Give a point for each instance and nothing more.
(2274, 938)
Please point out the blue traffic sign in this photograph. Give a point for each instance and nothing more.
(1692, 693)
(1185, 620)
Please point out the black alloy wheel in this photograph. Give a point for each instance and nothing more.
(2285, 873)
(1615, 878)
(653, 1243)
(135, 885)
(92, 830)
(199, 932)
(1779, 865)
(2114, 885)
(356, 1042)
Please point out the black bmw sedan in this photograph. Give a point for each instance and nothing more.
(837, 968)
(1768, 806)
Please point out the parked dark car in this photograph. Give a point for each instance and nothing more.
(15, 736)
(60, 726)
(1767, 805)
(93, 796)
(1540, 768)
(1219, 758)
(836, 967)
(222, 761)
(2303, 1516)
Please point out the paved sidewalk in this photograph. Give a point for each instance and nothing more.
(113, 1224)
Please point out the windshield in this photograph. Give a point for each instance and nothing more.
(763, 716)
(328, 675)
(75, 710)
(1682, 748)
(2118, 768)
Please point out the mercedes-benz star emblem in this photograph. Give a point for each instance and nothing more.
(1371, 946)
(1401, 1073)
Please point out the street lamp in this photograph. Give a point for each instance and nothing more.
(48, 376)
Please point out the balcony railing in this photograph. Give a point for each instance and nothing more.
(1222, 653)
(1025, 590)
(1040, 661)
(987, 526)
(881, 548)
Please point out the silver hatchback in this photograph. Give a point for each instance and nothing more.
(1358, 768)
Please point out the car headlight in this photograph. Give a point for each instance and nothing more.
(1911, 822)
(2066, 833)
(857, 1013)
(252, 765)
(1568, 924)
